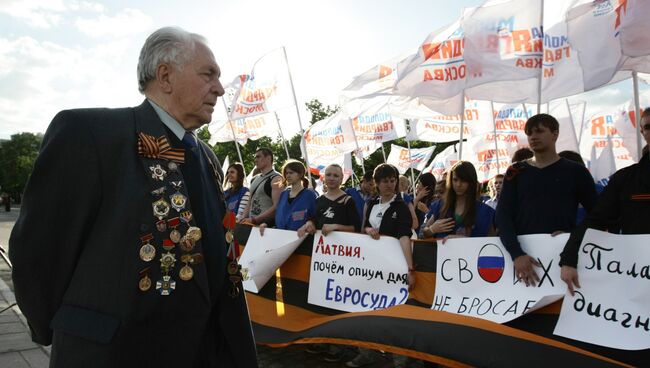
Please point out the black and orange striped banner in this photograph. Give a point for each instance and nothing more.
(281, 316)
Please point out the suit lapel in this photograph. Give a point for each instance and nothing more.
(148, 122)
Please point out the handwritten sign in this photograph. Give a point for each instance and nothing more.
(355, 273)
(476, 277)
(611, 307)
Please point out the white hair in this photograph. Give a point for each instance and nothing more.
(168, 45)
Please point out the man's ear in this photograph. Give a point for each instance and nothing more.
(163, 77)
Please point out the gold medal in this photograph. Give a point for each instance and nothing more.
(160, 208)
(145, 283)
(147, 252)
(229, 236)
(175, 236)
(167, 261)
(178, 201)
(233, 268)
(194, 233)
(187, 243)
(186, 273)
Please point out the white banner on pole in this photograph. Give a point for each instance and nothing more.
(355, 273)
(442, 162)
(400, 158)
(446, 128)
(611, 306)
(265, 90)
(254, 128)
(263, 255)
(476, 277)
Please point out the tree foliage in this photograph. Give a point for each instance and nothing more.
(17, 157)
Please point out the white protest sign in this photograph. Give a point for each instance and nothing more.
(355, 273)
(476, 277)
(264, 254)
(611, 306)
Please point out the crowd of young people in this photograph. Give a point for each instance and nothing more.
(541, 192)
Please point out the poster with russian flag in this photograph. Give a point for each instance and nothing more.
(476, 277)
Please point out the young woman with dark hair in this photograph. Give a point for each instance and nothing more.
(460, 213)
(424, 192)
(237, 195)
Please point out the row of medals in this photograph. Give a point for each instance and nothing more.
(161, 210)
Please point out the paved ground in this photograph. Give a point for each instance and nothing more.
(17, 350)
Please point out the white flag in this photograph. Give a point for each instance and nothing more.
(378, 80)
(402, 160)
(373, 123)
(266, 89)
(443, 162)
(254, 128)
(567, 140)
(446, 128)
(438, 69)
(620, 42)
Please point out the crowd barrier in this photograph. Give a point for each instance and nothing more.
(281, 316)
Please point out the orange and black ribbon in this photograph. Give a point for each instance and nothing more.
(159, 148)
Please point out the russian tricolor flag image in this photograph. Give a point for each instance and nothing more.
(490, 263)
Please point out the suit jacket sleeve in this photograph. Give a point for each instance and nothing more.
(60, 202)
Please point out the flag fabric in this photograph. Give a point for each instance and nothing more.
(438, 68)
(378, 80)
(254, 128)
(328, 139)
(567, 139)
(438, 127)
(373, 123)
(443, 161)
(266, 89)
(402, 159)
(492, 143)
(621, 42)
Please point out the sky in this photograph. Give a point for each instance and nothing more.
(62, 54)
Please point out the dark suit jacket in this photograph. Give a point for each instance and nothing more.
(75, 250)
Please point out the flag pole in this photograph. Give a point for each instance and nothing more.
(407, 126)
(356, 143)
(383, 151)
(234, 136)
(541, 70)
(637, 115)
(496, 144)
(462, 128)
(295, 102)
(284, 142)
(582, 123)
(525, 111)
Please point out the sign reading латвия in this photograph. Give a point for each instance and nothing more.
(355, 273)
(475, 277)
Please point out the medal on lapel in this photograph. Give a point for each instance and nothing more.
(233, 268)
(186, 216)
(174, 235)
(147, 251)
(157, 172)
(178, 199)
(145, 282)
(166, 285)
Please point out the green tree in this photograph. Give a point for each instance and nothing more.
(17, 157)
